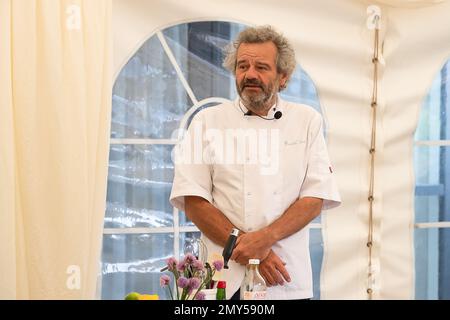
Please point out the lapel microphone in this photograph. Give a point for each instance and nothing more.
(277, 115)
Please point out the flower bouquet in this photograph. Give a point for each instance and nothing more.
(190, 276)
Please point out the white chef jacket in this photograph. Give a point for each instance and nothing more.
(252, 198)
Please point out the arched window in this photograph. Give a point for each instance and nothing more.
(175, 73)
(432, 200)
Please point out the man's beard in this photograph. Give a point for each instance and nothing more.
(256, 100)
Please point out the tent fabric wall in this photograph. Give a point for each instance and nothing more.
(334, 46)
(415, 51)
(55, 107)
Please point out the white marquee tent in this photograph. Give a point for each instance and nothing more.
(372, 63)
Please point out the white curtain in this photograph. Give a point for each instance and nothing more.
(55, 84)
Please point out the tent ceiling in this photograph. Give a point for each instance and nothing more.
(409, 3)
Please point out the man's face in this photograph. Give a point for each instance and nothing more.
(257, 78)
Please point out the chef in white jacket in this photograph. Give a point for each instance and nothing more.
(259, 164)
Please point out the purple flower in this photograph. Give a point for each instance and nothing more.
(200, 296)
(218, 265)
(189, 259)
(194, 283)
(182, 282)
(171, 263)
(164, 280)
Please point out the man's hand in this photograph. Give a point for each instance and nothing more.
(273, 271)
(253, 245)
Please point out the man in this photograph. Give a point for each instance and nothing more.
(258, 164)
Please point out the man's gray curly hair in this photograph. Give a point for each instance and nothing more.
(285, 58)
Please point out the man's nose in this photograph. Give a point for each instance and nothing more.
(251, 73)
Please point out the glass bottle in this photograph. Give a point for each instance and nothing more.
(254, 287)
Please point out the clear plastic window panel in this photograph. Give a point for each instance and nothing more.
(149, 100)
(184, 220)
(139, 184)
(432, 200)
(432, 257)
(433, 121)
(316, 252)
(198, 48)
(432, 172)
(132, 262)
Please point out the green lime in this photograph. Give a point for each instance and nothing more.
(132, 296)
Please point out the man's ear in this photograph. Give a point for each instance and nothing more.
(283, 81)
